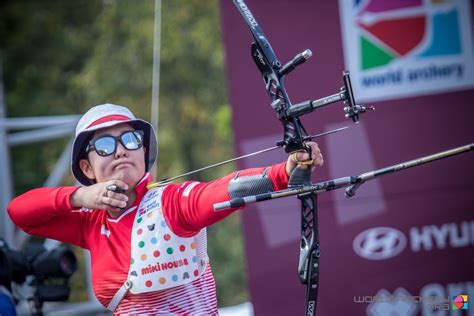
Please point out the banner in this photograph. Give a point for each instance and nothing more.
(401, 48)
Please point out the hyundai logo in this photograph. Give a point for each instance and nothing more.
(379, 243)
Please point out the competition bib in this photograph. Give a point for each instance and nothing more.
(159, 258)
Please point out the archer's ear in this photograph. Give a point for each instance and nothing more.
(86, 168)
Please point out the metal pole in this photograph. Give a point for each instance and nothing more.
(7, 230)
(155, 95)
(20, 123)
(40, 134)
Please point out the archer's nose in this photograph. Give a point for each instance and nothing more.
(121, 151)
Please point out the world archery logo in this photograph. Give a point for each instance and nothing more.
(388, 33)
(397, 48)
(460, 302)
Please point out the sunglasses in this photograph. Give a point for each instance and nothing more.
(106, 145)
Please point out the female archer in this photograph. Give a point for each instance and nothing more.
(148, 246)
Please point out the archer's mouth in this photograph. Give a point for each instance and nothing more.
(123, 165)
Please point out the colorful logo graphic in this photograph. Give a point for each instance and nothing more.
(460, 302)
(407, 47)
(389, 31)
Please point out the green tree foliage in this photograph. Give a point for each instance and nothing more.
(61, 57)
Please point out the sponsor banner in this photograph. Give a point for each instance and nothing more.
(382, 243)
(401, 48)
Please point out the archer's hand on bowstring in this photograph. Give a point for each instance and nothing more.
(100, 196)
(316, 159)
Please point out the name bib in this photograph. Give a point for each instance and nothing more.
(159, 258)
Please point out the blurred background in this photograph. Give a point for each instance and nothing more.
(188, 63)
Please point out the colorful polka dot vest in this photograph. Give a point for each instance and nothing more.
(159, 258)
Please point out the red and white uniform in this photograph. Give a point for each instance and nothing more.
(47, 212)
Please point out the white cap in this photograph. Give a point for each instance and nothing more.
(106, 115)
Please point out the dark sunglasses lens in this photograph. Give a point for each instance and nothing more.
(105, 146)
(132, 140)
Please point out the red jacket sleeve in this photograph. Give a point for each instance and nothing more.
(46, 212)
(189, 207)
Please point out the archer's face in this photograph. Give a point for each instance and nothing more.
(125, 165)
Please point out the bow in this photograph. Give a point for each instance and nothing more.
(294, 138)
